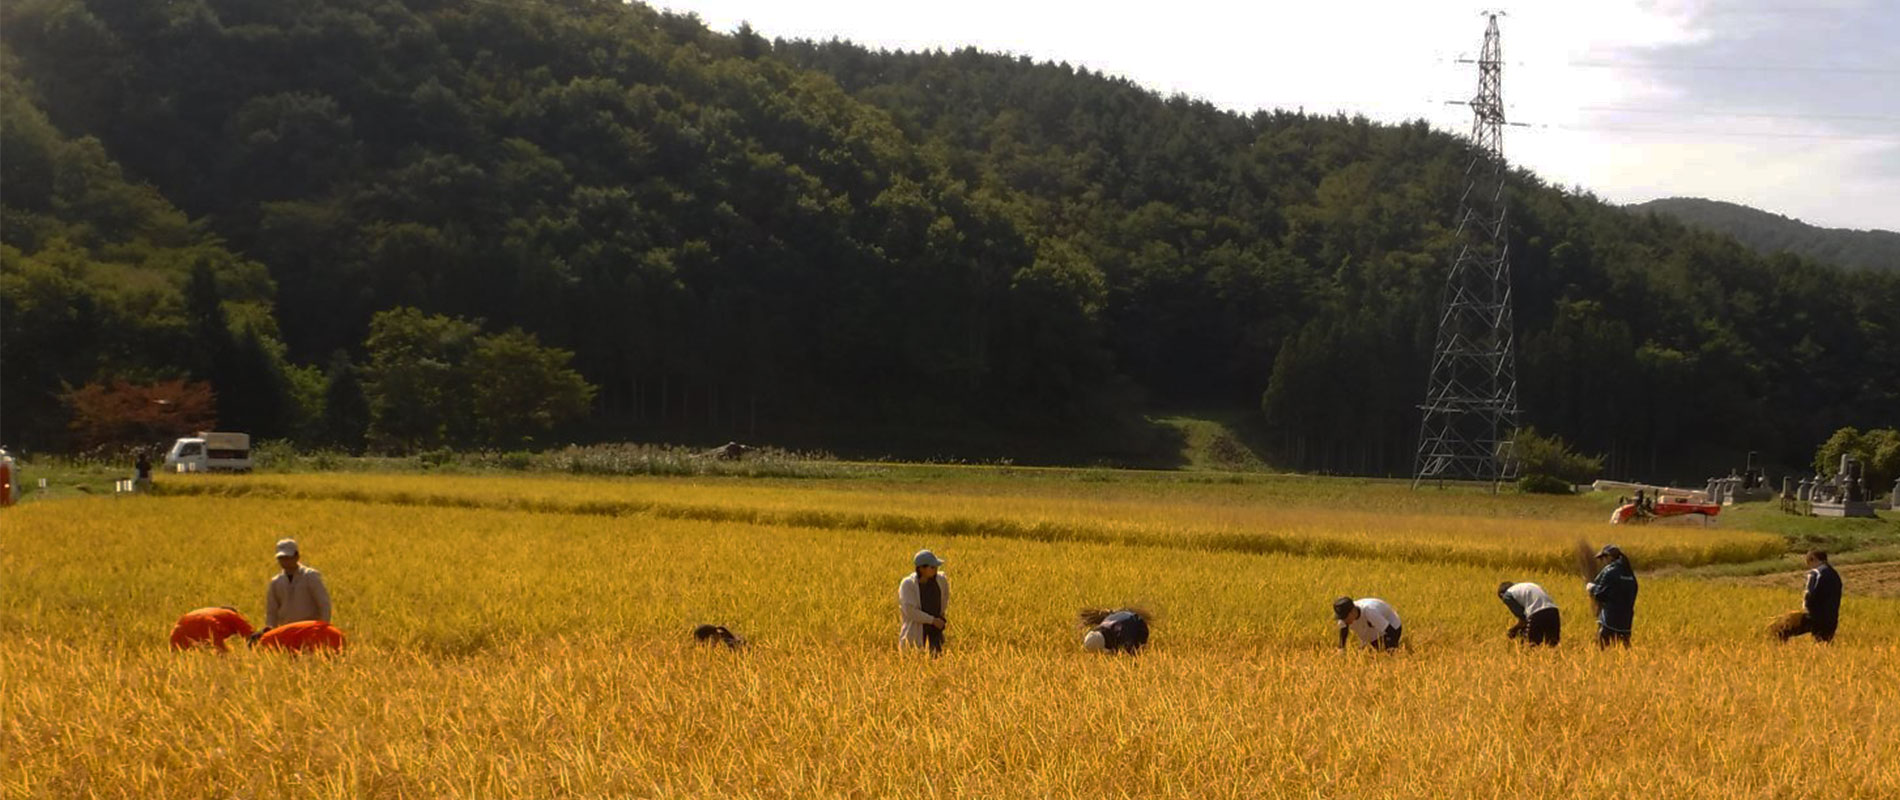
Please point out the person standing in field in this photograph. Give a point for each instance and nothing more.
(1821, 604)
(1123, 630)
(300, 637)
(921, 598)
(213, 625)
(297, 594)
(1537, 618)
(1614, 589)
(1371, 618)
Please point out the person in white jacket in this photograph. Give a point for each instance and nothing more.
(296, 594)
(921, 599)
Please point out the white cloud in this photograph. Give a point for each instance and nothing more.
(1393, 61)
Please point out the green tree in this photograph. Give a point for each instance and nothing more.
(1877, 449)
(346, 410)
(418, 391)
(527, 390)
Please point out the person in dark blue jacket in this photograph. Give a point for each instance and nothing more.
(1124, 630)
(1614, 590)
(1821, 605)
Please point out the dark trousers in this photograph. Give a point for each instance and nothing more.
(1392, 638)
(1822, 629)
(933, 637)
(1546, 627)
(1607, 637)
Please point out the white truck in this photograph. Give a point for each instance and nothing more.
(210, 451)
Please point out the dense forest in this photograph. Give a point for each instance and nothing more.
(1774, 233)
(816, 244)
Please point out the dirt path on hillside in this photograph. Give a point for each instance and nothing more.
(1879, 579)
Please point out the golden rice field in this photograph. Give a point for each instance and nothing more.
(1299, 517)
(511, 653)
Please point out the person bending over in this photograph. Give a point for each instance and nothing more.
(1371, 618)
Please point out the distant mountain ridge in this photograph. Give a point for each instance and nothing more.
(1770, 233)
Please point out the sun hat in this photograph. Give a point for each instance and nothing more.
(1095, 642)
(1341, 607)
(286, 547)
(925, 558)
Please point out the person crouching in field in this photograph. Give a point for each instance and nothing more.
(1614, 589)
(1821, 605)
(1123, 630)
(212, 625)
(1373, 619)
(311, 635)
(717, 634)
(1537, 618)
(921, 599)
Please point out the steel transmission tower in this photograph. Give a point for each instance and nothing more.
(1470, 408)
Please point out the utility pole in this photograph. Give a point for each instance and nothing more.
(1470, 411)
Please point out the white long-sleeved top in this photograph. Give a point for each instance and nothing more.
(910, 610)
(295, 599)
(1375, 616)
(1530, 597)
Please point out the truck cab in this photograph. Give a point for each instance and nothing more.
(210, 451)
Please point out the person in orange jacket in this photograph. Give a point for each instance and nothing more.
(212, 625)
(300, 637)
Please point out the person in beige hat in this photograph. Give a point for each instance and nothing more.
(297, 594)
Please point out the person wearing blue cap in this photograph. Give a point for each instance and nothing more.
(1614, 590)
(921, 599)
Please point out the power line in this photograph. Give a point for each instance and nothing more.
(1604, 63)
(1659, 65)
(1740, 114)
(1705, 132)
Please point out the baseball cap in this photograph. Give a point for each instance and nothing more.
(1095, 642)
(286, 547)
(1609, 551)
(925, 558)
(1341, 607)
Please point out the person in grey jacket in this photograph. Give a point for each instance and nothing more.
(921, 599)
(297, 594)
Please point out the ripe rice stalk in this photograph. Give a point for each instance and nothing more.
(1586, 559)
(1784, 622)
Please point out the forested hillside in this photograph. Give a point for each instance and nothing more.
(1773, 233)
(946, 253)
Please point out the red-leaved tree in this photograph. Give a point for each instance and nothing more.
(127, 414)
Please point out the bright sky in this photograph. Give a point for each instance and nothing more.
(1792, 106)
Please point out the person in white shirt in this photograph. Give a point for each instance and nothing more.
(1538, 620)
(1371, 618)
(297, 594)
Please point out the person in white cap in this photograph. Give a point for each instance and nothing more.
(921, 598)
(297, 594)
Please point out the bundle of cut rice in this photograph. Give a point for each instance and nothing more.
(1586, 559)
(1782, 623)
